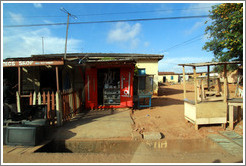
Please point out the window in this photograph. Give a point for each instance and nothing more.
(171, 77)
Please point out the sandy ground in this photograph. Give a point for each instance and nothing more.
(167, 115)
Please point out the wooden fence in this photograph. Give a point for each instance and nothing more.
(71, 103)
(61, 106)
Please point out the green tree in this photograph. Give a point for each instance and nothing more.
(225, 33)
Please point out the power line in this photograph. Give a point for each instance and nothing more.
(97, 14)
(186, 42)
(110, 21)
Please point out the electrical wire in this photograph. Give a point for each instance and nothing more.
(194, 39)
(98, 14)
(110, 21)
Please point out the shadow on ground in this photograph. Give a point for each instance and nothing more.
(87, 116)
(170, 91)
(158, 102)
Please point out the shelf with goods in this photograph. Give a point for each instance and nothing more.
(111, 96)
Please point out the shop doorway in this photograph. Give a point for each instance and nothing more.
(108, 86)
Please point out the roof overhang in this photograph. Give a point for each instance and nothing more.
(104, 55)
(209, 63)
(86, 62)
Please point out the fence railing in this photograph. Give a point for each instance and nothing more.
(61, 106)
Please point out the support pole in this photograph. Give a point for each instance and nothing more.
(57, 79)
(225, 84)
(18, 94)
(208, 76)
(184, 83)
(202, 91)
(19, 80)
(194, 75)
(58, 109)
(18, 102)
(34, 98)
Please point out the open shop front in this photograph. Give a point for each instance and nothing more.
(109, 85)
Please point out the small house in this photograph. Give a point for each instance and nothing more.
(171, 77)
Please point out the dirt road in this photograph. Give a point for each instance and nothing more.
(182, 143)
(167, 115)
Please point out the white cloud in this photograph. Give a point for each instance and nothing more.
(37, 5)
(16, 18)
(124, 33)
(164, 9)
(25, 44)
(196, 26)
(199, 8)
(146, 44)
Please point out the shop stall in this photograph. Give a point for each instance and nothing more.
(109, 84)
(207, 107)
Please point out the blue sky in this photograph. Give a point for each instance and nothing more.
(144, 37)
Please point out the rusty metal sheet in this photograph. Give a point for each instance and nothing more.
(31, 63)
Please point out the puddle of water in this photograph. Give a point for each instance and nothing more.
(128, 147)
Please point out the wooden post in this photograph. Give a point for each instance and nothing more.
(64, 107)
(52, 100)
(48, 104)
(198, 84)
(239, 115)
(74, 103)
(218, 86)
(184, 83)
(70, 101)
(231, 117)
(208, 76)
(39, 98)
(30, 99)
(44, 98)
(67, 107)
(58, 108)
(194, 72)
(202, 91)
(77, 100)
(18, 102)
(225, 84)
(19, 90)
(19, 80)
(34, 98)
(57, 79)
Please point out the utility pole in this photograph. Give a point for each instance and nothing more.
(43, 44)
(68, 14)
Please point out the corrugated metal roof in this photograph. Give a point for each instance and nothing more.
(101, 55)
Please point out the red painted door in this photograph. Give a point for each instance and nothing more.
(126, 87)
(91, 88)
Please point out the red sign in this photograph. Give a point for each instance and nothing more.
(31, 63)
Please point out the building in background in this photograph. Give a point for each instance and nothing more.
(169, 77)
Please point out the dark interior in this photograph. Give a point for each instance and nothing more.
(101, 73)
